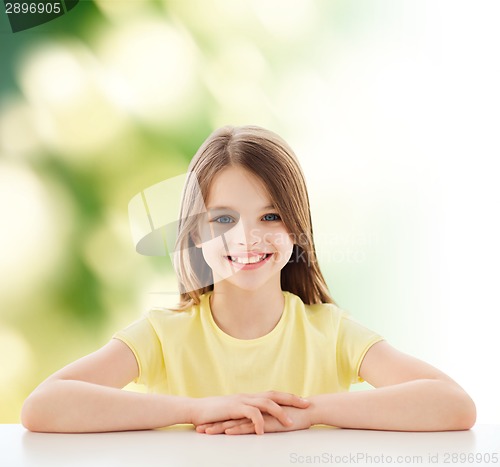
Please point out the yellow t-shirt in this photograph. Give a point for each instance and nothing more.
(314, 349)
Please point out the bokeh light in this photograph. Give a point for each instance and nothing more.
(18, 134)
(73, 114)
(15, 371)
(32, 233)
(284, 22)
(155, 66)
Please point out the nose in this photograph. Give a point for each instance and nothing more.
(245, 233)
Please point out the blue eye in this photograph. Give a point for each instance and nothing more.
(223, 220)
(271, 217)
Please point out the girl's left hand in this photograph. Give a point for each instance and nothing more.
(300, 417)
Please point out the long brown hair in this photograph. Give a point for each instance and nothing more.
(267, 156)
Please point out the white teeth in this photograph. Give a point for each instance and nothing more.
(251, 260)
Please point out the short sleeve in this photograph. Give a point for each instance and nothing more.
(143, 340)
(353, 341)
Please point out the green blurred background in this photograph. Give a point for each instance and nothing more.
(390, 106)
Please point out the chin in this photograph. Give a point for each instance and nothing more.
(256, 285)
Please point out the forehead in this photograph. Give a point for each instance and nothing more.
(236, 185)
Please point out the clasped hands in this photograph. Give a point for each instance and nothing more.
(250, 413)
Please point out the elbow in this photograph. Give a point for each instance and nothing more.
(454, 408)
(468, 419)
(28, 417)
(465, 413)
(41, 409)
(31, 416)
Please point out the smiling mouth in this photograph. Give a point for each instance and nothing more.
(250, 260)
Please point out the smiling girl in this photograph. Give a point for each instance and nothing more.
(255, 330)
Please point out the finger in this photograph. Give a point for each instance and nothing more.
(220, 427)
(215, 430)
(211, 429)
(254, 414)
(286, 398)
(243, 429)
(272, 408)
(232, 423)
(202, 428)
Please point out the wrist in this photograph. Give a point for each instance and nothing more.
(178, 409)
(319, 408)
(188, 408)
(314, 411)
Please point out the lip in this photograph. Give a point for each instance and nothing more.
(249, 254)
(249, 266)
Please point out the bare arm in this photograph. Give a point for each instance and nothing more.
(410, 395)
(86, 396)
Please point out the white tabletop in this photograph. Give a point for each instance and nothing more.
(182, 446)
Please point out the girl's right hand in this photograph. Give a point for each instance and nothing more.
(251, 406)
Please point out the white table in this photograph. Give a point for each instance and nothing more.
(182, 446)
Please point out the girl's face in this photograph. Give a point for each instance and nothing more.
(242, 237)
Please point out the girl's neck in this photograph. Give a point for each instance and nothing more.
(246, 314)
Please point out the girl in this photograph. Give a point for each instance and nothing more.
(255, 328)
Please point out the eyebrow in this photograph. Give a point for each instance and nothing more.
(221, 208)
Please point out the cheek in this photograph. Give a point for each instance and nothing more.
(281, 240)
(283, 244)
(213, 249)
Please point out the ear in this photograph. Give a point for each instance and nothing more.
(195, 237)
